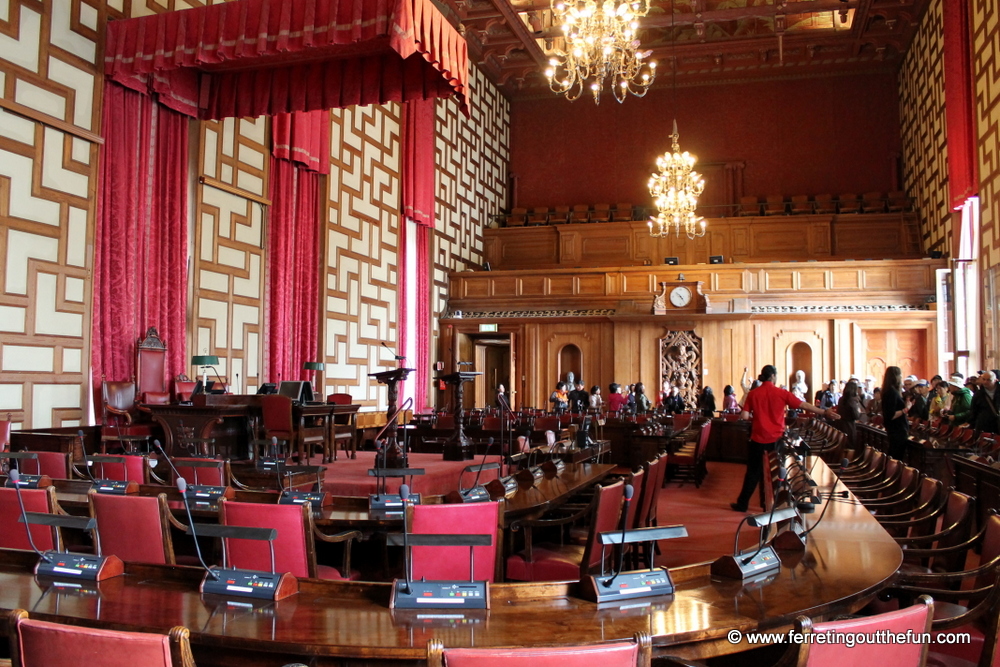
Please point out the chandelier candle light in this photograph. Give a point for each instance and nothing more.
(600, 44)
(675, 191)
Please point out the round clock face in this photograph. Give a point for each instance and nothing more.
(680, 296)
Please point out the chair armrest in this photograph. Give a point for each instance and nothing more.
(175, 523)
(903, 541)
(932, 579)
(347, 536)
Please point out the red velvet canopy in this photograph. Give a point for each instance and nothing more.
(264, 57)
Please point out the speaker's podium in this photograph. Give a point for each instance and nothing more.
(395, 457)
(457, 448)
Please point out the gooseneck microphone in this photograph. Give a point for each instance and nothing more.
(782, 480)
(629, 491)
(182, 487)
(404, 495)
(14, 475)
(475, 482)
(159, 448)
(86, 459)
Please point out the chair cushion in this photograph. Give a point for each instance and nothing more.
(955, 655)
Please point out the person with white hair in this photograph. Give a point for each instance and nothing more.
(961, 400)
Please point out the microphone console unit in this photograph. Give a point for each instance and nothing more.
(314, 499)
(742, 567)
(505, 487)
(202, 494)
(29, 482)
(477, 494)
(115, 487)
(438, 594)
(250, 583)
(64, 565)
(633, 584)
(390, 502)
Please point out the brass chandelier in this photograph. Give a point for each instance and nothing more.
(600, 44)
(675, 189)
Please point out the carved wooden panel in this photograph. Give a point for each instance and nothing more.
(680, 364)
(986, 67)
(905, 348)
(362, 239)
(472, 164)
(48, 174)
(922, 119)
(229, 249)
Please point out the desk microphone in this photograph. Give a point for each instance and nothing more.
(475, 482)
(404, 495)
(159, 447)
(14, 476)
(395, 356)
(182, 487)
(782, 481)
(86, 459)
(629, 490)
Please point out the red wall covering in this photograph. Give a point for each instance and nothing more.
(807, 136)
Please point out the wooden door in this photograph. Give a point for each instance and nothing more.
(906, 348)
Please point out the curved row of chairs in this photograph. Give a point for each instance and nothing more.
(945, 554)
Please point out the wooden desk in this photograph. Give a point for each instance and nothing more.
(231, 420)
(848, 558)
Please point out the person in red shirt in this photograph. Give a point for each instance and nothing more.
(765, 405)
(616, 400)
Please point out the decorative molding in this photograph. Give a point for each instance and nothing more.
(880, 308)
(500, 314)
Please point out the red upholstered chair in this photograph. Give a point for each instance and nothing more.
(559, 562)
(436, 563)
(539, 216)
(849, 203)
(344, 428)
(276, 415)
(681, 421)
(916, 619)
(53, 464)
(184, 388)
(119, 402)
(517, 217)
(689, 459)
(150, 369)
(134, 528)
(445, 422)
(5, 433)
(801, 204)
(133, 468)
(43, 644)
(636, 653)
(580, 213)
(211, 472)
(295, 547)
(775, 205)
(560, 215)
(12, 532)
(340, 399)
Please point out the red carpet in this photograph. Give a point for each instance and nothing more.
(710, 523)
(347, 477)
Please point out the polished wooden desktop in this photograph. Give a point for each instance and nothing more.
(848, 558)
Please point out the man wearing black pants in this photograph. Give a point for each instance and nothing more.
(766, 406)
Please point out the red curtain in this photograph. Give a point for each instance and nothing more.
(290, 56)
(293, 265)
(140, 253)
(959, 103)
(304, 138)
(418, 161)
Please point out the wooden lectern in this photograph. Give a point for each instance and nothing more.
(457, 448)
(394, 456)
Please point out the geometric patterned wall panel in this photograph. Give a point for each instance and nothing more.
(472, 167)
(229, 250)
(986, 65)
(48, 159)
(922, 119)
(362, 238)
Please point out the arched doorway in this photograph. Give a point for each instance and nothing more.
(570, 361)
(800, 358)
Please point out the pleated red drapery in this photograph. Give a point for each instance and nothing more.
(417, 172)
(417, 175)
(293, 267)
(140, 253)
(264, 57)
(959, 103)
(303, 138)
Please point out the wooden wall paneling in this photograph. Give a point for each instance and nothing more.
(986, 68)
(50, 85)
(362, 239)
(784, 238)
(229, 254)
(471, 184)
(922, 119)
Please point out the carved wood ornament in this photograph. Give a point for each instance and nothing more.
(680, 364)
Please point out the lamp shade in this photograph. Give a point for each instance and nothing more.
(313, 366)
(205, 360)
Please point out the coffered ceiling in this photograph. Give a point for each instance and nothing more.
(707, 40)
